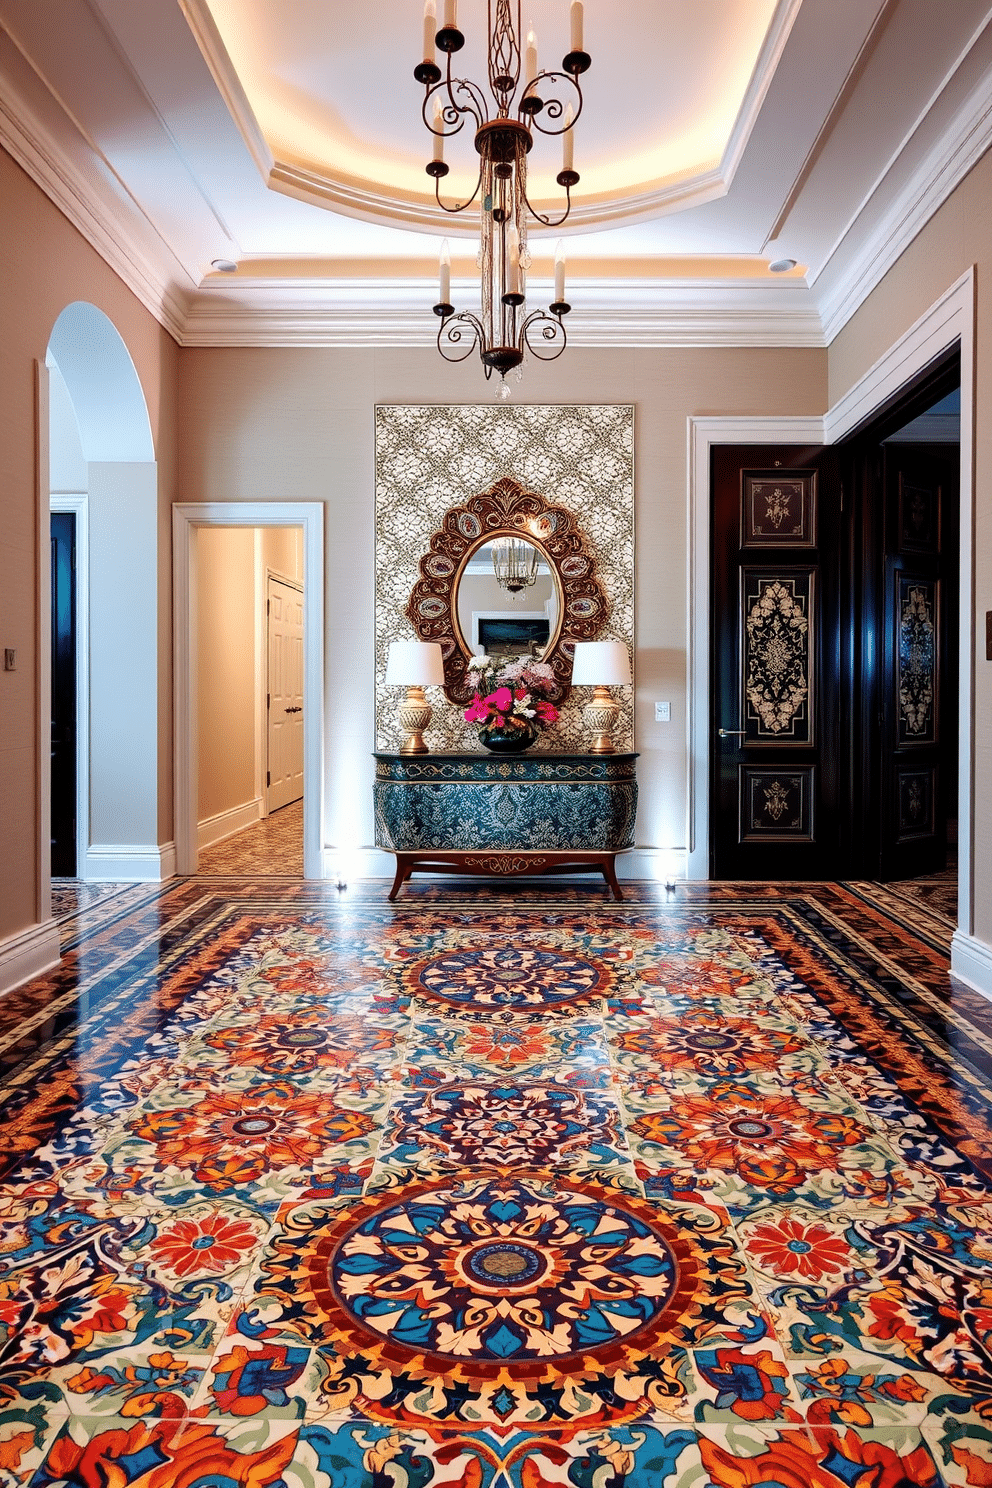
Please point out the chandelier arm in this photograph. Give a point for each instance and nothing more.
(453, 114)
(453, 211)
(552, 331)
(549, 221)
(553, 108)
(450, 335)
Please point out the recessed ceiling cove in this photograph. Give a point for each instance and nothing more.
(324, 96)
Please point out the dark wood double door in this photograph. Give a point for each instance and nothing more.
(834, 660)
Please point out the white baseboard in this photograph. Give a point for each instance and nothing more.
(28, 953)
(664, 864)
(225, 823)
(971, 961)
(124, 863)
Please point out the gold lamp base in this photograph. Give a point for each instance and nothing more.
(414, 715)
(600, 715)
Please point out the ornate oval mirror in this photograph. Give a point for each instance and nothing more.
(507, 574)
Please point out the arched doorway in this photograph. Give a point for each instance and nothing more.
(104, 479)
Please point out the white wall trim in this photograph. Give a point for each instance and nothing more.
(43, 647)
(75, 192)
(951, 318)
(971, 961)
(961, 146)
(78, 505)
(225, 823)
(28, 953)
(124, 862)
(187, 517)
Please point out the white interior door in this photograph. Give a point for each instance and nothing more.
(284, 617)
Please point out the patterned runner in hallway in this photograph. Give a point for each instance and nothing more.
(309, 1190)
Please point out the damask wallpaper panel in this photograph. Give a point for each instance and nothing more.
(431, 457)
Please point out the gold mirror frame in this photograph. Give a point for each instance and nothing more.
(507, 510)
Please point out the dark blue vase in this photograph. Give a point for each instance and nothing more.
(509, 738)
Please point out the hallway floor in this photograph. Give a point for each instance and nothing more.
(496, 1186)
(272, 847)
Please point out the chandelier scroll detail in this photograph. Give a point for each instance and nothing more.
(504, 128)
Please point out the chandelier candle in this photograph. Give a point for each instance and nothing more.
(522, 103)
(430, 28)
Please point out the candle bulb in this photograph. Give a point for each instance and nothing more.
(430, 29)
(451, 13)
(438, 125)
(444, 275)
(513, 267)
(575, 25)
(567, 142)
(559, 273)
(530, 58)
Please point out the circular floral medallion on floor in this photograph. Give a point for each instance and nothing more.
(502, 1298)
(511, 978)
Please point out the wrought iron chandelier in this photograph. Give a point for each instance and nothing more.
(515, 564)
(504, 329)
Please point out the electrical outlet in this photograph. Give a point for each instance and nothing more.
(9, 659)
(662, 712)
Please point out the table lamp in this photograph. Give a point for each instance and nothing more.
(601, 665)
(414, 665)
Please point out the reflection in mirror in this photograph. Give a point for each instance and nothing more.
(507, 600)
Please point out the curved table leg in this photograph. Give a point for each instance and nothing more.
(404, 867)
(610, 874)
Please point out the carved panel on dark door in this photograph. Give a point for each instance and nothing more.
(916, 676)
(919, 517)
(776, 805)
(777, 655)
(778, 511)
(916, 804)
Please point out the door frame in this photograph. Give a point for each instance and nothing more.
(951, 319)
(78, 506)
(187, 517)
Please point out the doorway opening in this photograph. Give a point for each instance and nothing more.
(834, 648)
(249, 601)
(234, 670)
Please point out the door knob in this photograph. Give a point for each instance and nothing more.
(294, 710)
(732, 733)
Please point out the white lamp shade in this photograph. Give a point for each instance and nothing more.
(414, 664)
(601, 664)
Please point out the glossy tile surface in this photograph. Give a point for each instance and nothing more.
(506, 1188)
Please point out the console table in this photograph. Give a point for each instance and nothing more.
(505, 815)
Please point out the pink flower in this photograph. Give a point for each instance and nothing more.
(547, 712)
(476, 712)
(501, 699)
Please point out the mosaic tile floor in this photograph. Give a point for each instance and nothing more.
(303, 1190)
(270, 847)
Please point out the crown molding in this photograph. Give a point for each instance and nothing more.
(397, 312)
(383, 202)
(78, 196)
(944, 167)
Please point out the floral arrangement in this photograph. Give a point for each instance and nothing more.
(508, 694)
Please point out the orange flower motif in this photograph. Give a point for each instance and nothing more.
(209, 1246)
(792, 1247)
(235, 1138)
(794, 1461)
(772, 1141)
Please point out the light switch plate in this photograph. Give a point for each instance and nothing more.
(662, 712)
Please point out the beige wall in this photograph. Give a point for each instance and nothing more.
(958, 236)
(226, 697)
(297, 425)
(46, 266)
(231, 567)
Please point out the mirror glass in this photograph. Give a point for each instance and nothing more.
(508, 601)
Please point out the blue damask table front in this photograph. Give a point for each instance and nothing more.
(505, 815)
